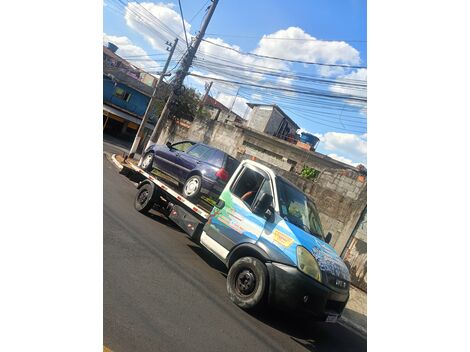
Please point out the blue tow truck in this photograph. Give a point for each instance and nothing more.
(268, 234)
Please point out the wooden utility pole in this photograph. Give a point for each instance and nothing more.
(141, 129)
(181, 74)
(203, 101)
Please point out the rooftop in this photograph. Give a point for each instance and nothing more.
(275, 106)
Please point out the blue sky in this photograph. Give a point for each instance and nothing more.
(339, 27)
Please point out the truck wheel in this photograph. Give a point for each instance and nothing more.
(192, 187)
(143, 200)
(147, 162)
(246, 282)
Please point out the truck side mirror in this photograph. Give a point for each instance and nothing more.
(263, 204)
(168, 144)
(328, 237)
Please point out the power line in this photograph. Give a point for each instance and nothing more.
(182, 21)
(197, 13)
(317, 93)
(282, 59)
(285, 38)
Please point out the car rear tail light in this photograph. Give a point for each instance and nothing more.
(222, 174)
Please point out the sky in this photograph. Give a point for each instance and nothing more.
(332, 33)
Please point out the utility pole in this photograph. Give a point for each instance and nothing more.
(141, 129)
(208, 88)
(234, 100)
(181, 74)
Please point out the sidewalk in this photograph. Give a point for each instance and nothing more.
(355, 314)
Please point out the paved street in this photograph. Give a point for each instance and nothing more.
(164, 293)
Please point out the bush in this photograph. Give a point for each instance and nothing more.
(309, 172)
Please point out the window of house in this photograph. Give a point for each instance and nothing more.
(122, 94)
(249, 184)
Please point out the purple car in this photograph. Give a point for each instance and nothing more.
(199, 168)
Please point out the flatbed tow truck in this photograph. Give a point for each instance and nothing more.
(268, 234)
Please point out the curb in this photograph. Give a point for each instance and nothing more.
(352, 326)
(117, 163)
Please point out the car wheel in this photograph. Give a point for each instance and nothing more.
(192, 187)
(147, 162)
(247, 282)
(143, 201)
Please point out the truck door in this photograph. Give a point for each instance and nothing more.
(233, 222)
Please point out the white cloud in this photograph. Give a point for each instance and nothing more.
(156, 22)
(352, 145)
(126, 49)
(343, 159)
(312, 50)
(256, 96)
(227, 99)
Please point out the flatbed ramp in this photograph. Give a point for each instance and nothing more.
(136, 173)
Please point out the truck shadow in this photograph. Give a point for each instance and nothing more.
(212, 261)
(162, 219)
(313, 336)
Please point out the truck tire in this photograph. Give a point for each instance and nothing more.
(247, 282)
(147, 162)
(144, 199)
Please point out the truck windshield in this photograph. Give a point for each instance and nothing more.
(298, 209)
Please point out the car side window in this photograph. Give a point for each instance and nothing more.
(182, 146)
(248, 185)
(218, 158)
(198, 151)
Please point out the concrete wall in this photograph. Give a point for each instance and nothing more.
(259, 117)
(274, 122)
(355, 255)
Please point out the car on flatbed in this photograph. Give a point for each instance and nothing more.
(269, 235)
(197, 167)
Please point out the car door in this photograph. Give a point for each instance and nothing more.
(233, 221)
(168, 159)
(192, 158)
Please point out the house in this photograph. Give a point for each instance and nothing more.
(220, 112)
(272, 120)
(126, 94)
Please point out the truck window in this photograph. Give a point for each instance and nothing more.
(248, 186)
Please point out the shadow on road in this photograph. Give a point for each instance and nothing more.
(162, 219)
(212, 261)
(314, 336)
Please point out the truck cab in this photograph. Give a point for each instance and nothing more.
(269, 235)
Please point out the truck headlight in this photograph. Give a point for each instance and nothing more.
(307, 263)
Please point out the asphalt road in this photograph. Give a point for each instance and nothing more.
(162, 292)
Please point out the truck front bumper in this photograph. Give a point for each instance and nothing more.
(292, 290)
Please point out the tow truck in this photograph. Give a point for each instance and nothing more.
(268, 234)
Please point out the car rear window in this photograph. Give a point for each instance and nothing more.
(231, 165)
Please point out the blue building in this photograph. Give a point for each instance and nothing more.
(126, 94)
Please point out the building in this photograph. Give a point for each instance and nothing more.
(126, 94)
(272, 120)
(219, 112)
